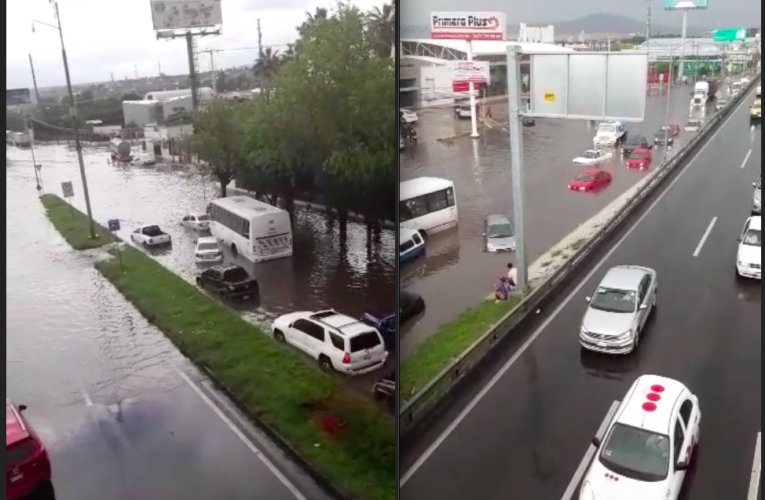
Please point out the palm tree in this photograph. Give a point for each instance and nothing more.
(382, 27)
(266, 66)
(320, 14)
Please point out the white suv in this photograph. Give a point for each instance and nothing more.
(337, 341)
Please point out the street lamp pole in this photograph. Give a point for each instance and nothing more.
(73, 115)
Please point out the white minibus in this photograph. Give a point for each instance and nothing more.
(255, 230)
(427, 205)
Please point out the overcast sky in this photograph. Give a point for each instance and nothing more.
(721, 13)
(116, 36)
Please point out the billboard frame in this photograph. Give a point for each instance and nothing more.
(18, 97)
(671, 5)
(162, 20)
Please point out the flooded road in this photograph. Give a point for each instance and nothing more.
(320, 275)
(457, 273)
(123, 414)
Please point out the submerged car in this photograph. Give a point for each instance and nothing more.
(640, 159)
(666, 135)
(229, 282)
(634, 142)
(410, 305)
(618, 310)
(593, 157)
(499, 234)
(208, 250)
(749, 255)
(692, 125)
(590, 180)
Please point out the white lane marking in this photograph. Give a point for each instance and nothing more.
(238, 433)
(589, 454)
(501, 373)
(704, 237)
(754, 482)
(746, 158)
(86, 398)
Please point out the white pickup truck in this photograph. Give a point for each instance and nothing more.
(150, 236)
(609, 134)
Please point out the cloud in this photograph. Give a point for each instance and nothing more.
(110, 36)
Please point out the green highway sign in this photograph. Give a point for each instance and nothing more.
(738, 35)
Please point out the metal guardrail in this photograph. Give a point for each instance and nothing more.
(427, 399)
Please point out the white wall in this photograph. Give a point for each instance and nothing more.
(436, 85)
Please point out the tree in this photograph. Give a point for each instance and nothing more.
(220, 82)
(266, 67)
(382, 26)
(218, 140)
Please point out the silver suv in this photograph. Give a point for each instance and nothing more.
(619, 310)
(757, 197)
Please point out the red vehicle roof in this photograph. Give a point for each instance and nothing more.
(592, 171)
(641, 151)
(15, 430)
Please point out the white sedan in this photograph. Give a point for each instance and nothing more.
(197, 222)
(692, 125)
(409, 116)
(593, 157)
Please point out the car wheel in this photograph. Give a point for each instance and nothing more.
(198, 281)
(279, 336)
(325, 364)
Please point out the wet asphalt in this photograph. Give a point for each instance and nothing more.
(526, 434)
(123, 414)
(457, 273)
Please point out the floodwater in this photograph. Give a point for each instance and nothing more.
(105, 389)
(321, 274)
(457, 273)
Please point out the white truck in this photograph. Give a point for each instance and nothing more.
(700, 95)
(150, 236)
(609, 134)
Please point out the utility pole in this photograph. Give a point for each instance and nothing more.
(260, 58)
(212, 70)
(34, 78)
(648, 25)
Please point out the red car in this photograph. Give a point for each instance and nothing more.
(590, 180)
(640, 158)
(27, 467)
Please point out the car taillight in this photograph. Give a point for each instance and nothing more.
(346, 358)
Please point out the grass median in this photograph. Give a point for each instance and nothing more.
(451, 340)
(73, 224)
(345, 438)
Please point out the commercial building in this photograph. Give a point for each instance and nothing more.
(158, 107)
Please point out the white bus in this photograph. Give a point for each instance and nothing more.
(255, 230)
(427, 205)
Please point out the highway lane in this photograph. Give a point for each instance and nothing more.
(183, 442)
(481, 173)
(525, 431)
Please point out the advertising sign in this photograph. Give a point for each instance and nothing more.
(17, 97)
(464, 72)
(185, 14)
(735, 35)
(685, 4)
(468, 26)
(68, 189)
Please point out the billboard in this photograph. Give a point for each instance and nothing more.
(588, 85)
(17, 97)
(468, 26)
(465, 72)
(185, 14)
(685, 4)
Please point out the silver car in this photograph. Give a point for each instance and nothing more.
(757, 198)
(499, 234)
(619, 310)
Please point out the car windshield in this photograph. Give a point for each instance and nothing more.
(235, 275)
(614, 300)
(203, 218)
(503, 230)
(635, 139)
(591, 154)
(636, 156)
(636, 453)
(585, 177)
(753, 237)
(722, 101)
(606, 128)
(693, 123)
(207, 246)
